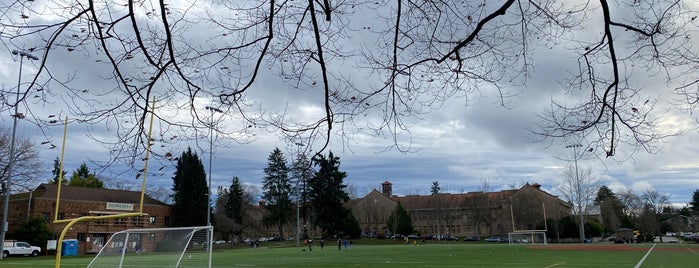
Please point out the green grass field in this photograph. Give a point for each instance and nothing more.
(455, 254)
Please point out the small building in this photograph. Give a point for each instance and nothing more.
(77, 202)
(682, 224)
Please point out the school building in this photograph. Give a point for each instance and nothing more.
(85, 201)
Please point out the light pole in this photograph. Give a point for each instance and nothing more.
(211, 156)
(298, 201)
(8, 182)
(579, 191)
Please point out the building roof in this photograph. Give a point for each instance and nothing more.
(77, 193)
(446, 201)
(454, 201)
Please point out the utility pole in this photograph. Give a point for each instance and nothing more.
(8, 181)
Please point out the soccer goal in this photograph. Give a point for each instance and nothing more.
(527, 237)
(157, 247)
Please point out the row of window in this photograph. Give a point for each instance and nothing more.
(143, 220)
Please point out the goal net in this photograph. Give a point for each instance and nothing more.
(527, 237)
(157, 247)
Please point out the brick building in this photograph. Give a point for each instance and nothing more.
(85, 201)
(467, 214)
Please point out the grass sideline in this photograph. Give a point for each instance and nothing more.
(454, 254)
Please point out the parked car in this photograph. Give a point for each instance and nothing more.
(450, 238)
(413, 236)
(19, 248)
(493, 239)
(472, 238)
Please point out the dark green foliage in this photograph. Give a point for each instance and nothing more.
(57, 172)
(685, 211)
(695, 202)
(35, 232)
(83, 177)
(327, 195)
(234, 203)
(190, 192)
(435, 188)
(594, 228)
(611, 208)
(568, 227)
(627, 222)
(399, 222)
(302, 172)
(351, 227)
(277, 191)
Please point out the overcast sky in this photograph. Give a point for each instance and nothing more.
(460, 145)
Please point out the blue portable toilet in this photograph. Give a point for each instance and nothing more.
(69, 247)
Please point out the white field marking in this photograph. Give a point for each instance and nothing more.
(638, 265)
(690, 249)
(554, 265)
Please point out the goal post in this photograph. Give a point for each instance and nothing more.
(157, 247)
(527, 237)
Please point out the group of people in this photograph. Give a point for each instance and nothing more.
(309, 243)
(347, 244)
(344, 242)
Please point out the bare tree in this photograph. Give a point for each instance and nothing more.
(579, 187)
(632, 204)
(420, 54)
(26, 166)
(654, 204)
(480, 208)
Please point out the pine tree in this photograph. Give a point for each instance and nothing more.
(190, 192)
(277, 191)
(327, 195)
(56, 170)
(695, 202)
(301, 173)
(234, 204)
(83, 177)
(611, 208)
(435, 188)
(399, 221)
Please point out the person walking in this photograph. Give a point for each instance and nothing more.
(339, 244)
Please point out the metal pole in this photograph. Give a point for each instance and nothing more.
(211, 156)
(8, 183)
(298, 227)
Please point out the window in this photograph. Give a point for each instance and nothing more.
(151, 237)
(61, 215)
(152, 220)
(81, 237)
(47, 216)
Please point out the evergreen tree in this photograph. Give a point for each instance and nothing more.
(351, 227)
(435, 188)
(399, 222)
(611, 208)
(83, 177)
(327, 195)
(695, 202)
(277, 191)
(234, 203)
(56, 172)
(301, 173)
(35, 231)
(190, 192)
